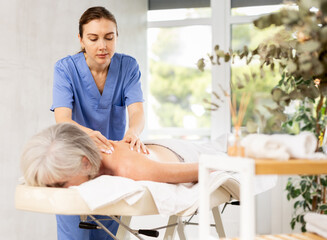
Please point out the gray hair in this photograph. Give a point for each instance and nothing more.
(56, 153)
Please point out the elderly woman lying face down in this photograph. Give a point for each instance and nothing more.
(63, 155)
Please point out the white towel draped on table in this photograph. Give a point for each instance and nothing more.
(281, 146)
(169, 198)
(316, 223)
(108, 190)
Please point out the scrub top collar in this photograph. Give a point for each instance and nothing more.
(103, 101)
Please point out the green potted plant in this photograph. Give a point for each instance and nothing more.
(300, 52)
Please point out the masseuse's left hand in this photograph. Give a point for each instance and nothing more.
(135, 142)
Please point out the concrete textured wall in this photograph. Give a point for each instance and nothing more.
(34, 35)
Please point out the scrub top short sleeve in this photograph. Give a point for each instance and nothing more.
(62, 88)
(132, 88)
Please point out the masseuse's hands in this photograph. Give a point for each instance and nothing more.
(101, 141)
(135, 142)
(64, 114)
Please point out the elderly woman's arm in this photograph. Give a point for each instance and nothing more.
(146, 169)
(130, 164)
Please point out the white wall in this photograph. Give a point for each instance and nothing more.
(282, 209)
(34, 34)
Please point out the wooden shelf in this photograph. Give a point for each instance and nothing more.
(290, 167)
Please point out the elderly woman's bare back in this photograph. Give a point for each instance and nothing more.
(161, 165)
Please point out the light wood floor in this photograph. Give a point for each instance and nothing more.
(297, 236)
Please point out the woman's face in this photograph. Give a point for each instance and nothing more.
(99, 42)
(71, 181)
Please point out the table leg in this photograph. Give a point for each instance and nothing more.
(246, 168)
(204, 201)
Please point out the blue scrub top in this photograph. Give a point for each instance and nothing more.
(75, 88)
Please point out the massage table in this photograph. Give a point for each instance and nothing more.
(68, 201)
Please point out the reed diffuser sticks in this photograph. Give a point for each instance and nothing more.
(238, 116)
(234, 146)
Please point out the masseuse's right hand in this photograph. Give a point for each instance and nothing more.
(64, 114)
(101, 141)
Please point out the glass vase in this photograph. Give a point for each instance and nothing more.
(234, 143)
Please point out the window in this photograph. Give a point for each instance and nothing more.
(259, 86)
(177, 38)
(233, 28)
(255, 10)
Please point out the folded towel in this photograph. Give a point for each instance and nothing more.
(316, 223)
(281, 146)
